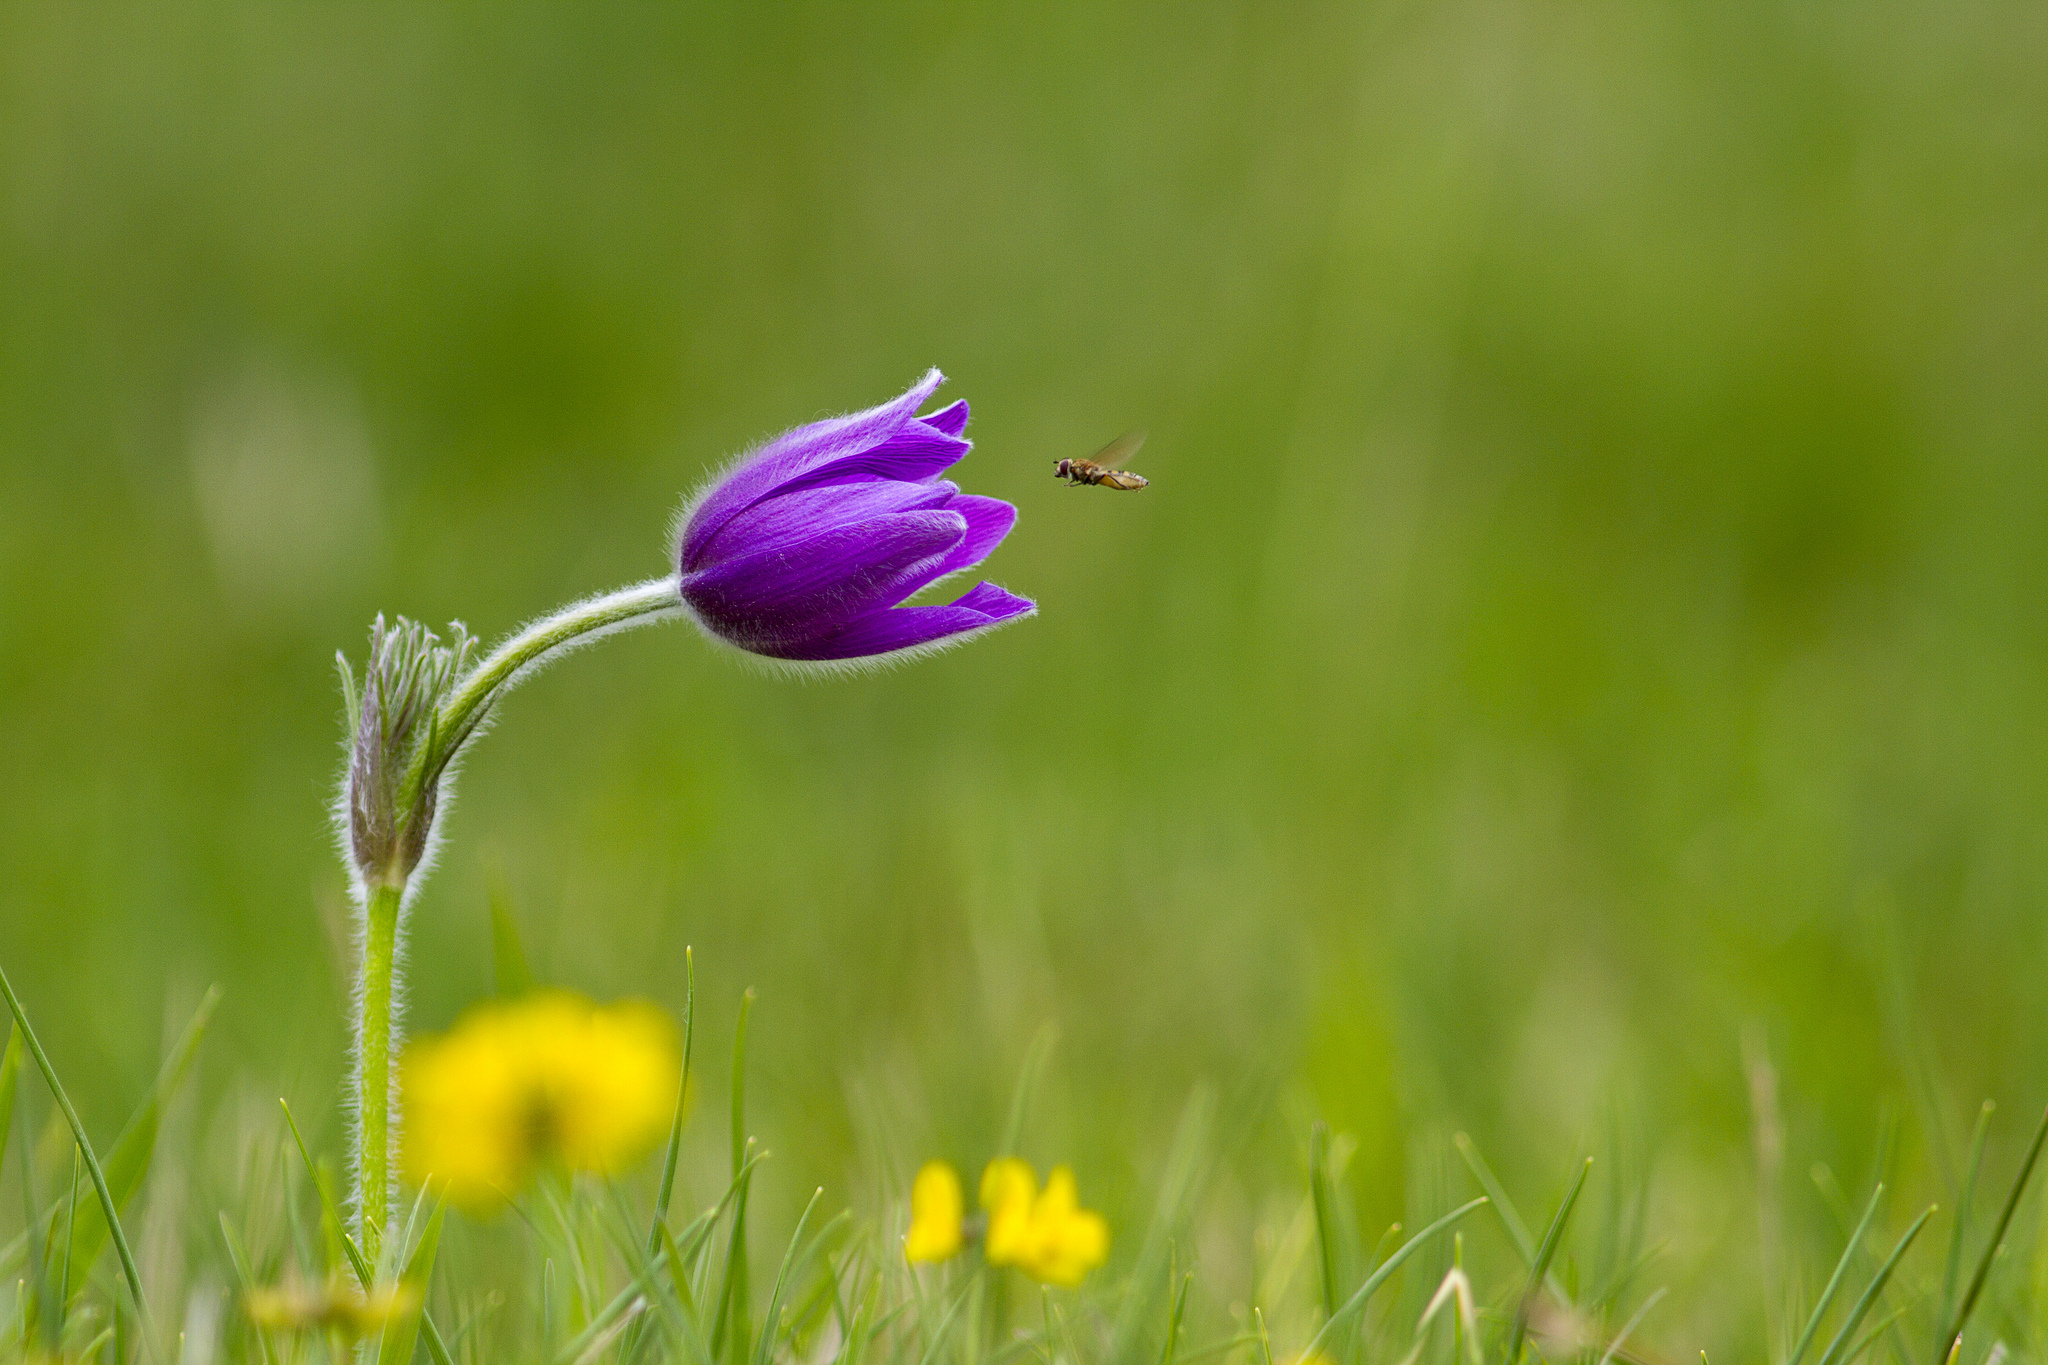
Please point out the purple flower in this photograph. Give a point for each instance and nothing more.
(803, 549)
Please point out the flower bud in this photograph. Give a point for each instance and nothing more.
(397, 757)
(804, 549)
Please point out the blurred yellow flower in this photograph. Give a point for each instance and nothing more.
(1044, 1233)
(548, 1079)
(937, 1212)
(294, 1307)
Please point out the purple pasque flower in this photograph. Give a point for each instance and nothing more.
(803, 549)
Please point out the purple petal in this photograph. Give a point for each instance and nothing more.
(914, 454)
(793, 516)
(794, 453)
(768, 599)
(951, 420)
(988, 521)
(904, 628)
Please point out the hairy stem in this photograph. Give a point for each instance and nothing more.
(452, 723)
(374, 1043)
(641, 604)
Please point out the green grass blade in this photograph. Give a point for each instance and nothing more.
(675, 1131)
(739, 1084)
(766, 1347)
(1363, 1294)
(1834, 1286)
(436, 1346)
(601, 1321)
(1869, 1337)
(1553, 1237)
(1503, 1207)
(731, 1334)
(727, 1327)
(1833, 1354)
(128, 1160)
(70, 1227)
(1173, 1319)
(402, 1331)
(666, 1191)
(2012, 1203)
(357, 1261)
(1320, 1199)
(36, 1308)
(1964, 1201)
(10, 1077)
(930, 1354)
(238, 1260)
(92, 1164)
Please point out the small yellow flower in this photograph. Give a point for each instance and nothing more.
(294, 1307)
(1044, 1233)
(937, 1213)
(1007, 1188)
(549, 1079)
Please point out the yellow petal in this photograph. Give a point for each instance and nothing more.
(937, 1207)
(1009, 1188)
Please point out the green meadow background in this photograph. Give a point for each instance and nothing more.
(1577, 677)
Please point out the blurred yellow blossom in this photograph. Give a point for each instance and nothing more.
(547, 1079)
(937, 1213)
(1044, 1233)
(295, 1307)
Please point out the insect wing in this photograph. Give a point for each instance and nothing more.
(1119, 450)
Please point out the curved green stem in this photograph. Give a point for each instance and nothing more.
(373, 1064)
(453, 722)
(641, 604)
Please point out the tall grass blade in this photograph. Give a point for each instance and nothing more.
(603, 1320)
(773, 1320)
(99, 1177)
(10, 1076)
(930, 1354)
(1964, 1203)
(402, 1331)
(238, 1260)
(1833, 1354)
(128, 1160)
(331, 1213)
(675, 1130)
(357, 1261)
(2012, 1203)
(37, 1311)
(1628, 1328)
(733, 1284)
(1870, 1336)
(1321, 1199)
(1173, 1319)
(1834, 1285)
(1503, 1207)
(732, 1328)
(666, 1191)
(1545, 1252)
(70, 1227)
(1363, 1294)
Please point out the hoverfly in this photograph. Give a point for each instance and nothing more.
(1098, 468)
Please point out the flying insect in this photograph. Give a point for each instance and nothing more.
(1099, 468)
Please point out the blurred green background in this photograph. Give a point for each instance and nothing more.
(1588, 608)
